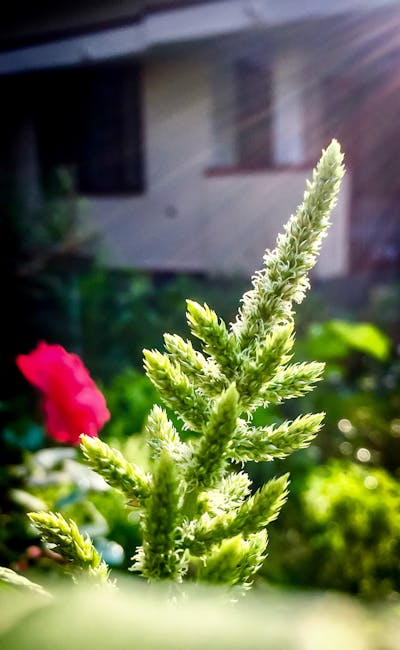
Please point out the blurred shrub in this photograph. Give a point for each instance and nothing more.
(352, 516)
(340, 527)
(56, 479)
(129, 396)
(42, 250)
(139, 308)
(342, 532)
(360, 394)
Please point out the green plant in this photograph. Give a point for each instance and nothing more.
(352, 524)
(129, 397)
(360, 393)
(41, 249)
(143, 305)
(198, 516)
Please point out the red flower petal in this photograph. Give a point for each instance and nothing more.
(35, 365)
(72, 403)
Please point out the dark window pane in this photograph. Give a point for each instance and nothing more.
(55, 116)
(253, 114)
(90, 121)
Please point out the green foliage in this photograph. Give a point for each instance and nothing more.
(267, 443)
(129, 396)
(176, 389)
(361, 394)
(252, 515)
(53, 479)
(160, 556)
(208, 462)
(78, 551)
(43, 248)
(361, 397)
(235, 561)
(214, 393)
(364, 337)
(116, 470)
(336, 338)
(348, 534)
(143, 306)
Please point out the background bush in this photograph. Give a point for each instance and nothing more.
(341, 531)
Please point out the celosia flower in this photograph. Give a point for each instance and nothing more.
(71, 401)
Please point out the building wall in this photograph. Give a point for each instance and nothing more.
(192, 220)
(165, 227)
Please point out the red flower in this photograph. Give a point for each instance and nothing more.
(72, 403)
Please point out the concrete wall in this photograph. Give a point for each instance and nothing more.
(189, 220)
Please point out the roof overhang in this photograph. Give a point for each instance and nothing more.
(173, 26)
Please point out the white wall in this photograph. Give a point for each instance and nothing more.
(164, 229)
(188, 220)
(246, 213)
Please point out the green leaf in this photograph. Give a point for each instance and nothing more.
(322, 343)
(364, 337)
(335, 339)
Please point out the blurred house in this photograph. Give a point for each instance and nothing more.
(190, 127)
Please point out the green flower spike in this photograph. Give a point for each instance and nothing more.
(199, 517)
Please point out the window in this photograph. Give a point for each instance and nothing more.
(242, 112)
(253, 114)
(89, 120)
